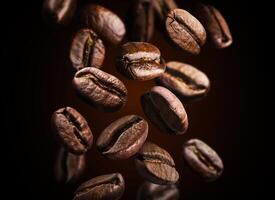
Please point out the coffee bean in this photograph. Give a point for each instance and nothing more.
(163, 7)
(104, 22)
(186, 81)
(151, 191)
(156, 165)
(202, 159)
(68, 167)
(105, 187)
(59, 12)
(142, 23)
(215, 25)
(102, 90)
(140, 60)
(185, 31)
(123, 138)
(165, 110)
(87, 50)
(72, 130)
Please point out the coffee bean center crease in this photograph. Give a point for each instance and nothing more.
(190, 83)
(185, 27)
(102, 84)
(130, 124)
(88, 50)
(76, 127)
(204, 159)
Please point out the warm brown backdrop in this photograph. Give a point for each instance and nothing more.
(40, 82)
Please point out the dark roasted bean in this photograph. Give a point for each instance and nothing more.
(185, 31)
(105, 187)
(72, 130)
(102, 90)
(186, 81)
(215, 25)
(202, 159)
(87, 50)
(123, 138)
(104, 22)
(156, 165)
(165, 110)
(142, 23)
(140, 61)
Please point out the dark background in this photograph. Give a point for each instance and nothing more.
(36, 80)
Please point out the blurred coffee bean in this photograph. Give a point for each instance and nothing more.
(142, 21)
(151, 191)
(215, 25)
(202, 159)
(163, 7)
(59, 12)
(68, 167)
(106, 24)
(105, 187)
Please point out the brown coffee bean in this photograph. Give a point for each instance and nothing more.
(104, 22)
(87, 50)
(142, 23)
(140, 60)
(123, 138)
(163, 7)
(156, 165)
(151, 191)
(186, 81)
(202, 159)
(68, 167)
(105, 187)
(72, 130)
(215, 25)
(165, 110)
(59, 12)
(185, 31)
(102, 90)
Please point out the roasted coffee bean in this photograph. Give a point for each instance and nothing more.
(156, 165)
(105, 187)
(202, 159)
(151, 191)
(104, 22)
(140, 60)
(215, 25)
(68, 167)
(163, 7)
(185, 31)
(142, 23)
(101, 89)
(72, 130)
(187, 82)
(87, 50)
(123, 138)
(59, 12)
(165, 110)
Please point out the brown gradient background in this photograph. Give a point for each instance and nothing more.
(36, 57)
